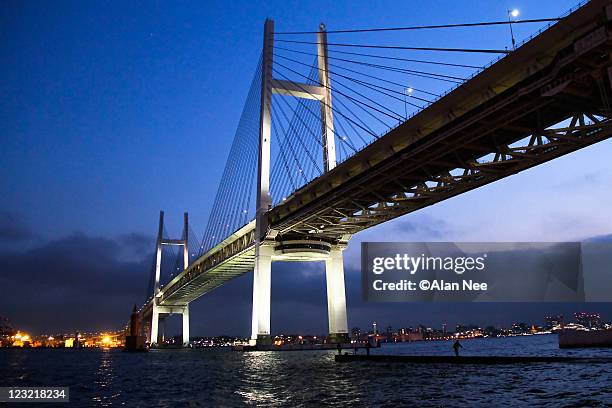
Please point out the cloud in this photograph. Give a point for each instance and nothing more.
(74, 283)
(13, 228)
(84, 283)
(413, 227)
(600, 238)
(135, 245)
(423, 226)
(584, 181)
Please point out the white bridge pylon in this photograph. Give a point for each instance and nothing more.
(267, 247)
(159, 312)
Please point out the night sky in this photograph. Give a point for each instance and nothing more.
(111, 112)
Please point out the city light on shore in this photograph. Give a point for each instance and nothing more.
(21, 339)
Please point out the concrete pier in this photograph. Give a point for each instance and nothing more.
(488, 360)
(579, 339)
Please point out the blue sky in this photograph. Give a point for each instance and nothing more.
(112, 111)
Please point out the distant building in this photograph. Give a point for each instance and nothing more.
(588, 320)
(6, 331)
(551, 322)
(407, 337)
(520, 328)
(468, 332)
(492, 331)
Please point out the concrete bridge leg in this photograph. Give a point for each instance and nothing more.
(162, 330)
(186, 326)
(336, 297)
(154, 326)
(157, 323)
(262, 282)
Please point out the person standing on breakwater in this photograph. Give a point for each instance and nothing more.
(368, 346)
(339, 347)
(457, 346)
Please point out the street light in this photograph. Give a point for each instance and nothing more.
(512, 14)
(406, 95)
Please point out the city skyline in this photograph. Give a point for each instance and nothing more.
(582, 320)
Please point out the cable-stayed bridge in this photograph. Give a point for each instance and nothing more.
(338, 135)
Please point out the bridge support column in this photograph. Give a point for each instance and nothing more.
(154, 325)
(336, 297)
(162, 331)
(327, 114)
(262, 291)
(186, 326)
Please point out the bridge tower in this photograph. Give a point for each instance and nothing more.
(159, 312)
(268, 245)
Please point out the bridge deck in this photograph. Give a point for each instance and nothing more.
(228, 259)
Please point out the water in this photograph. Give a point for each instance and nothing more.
(220, 377)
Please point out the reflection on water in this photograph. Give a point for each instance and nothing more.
(255, 367)
(169, 378)
(287, 378)
(104, 379)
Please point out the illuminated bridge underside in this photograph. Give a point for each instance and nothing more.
(494, 125)
(469, 137)
(230, 258)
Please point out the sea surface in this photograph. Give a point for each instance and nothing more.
(224, 378)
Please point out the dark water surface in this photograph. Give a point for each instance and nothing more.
(220, 377)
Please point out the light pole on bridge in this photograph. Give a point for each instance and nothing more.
(512, 14)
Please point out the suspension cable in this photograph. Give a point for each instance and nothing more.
(397, 47)
(425, 27)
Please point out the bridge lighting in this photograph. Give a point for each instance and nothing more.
(512, 14)
(406, 94)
